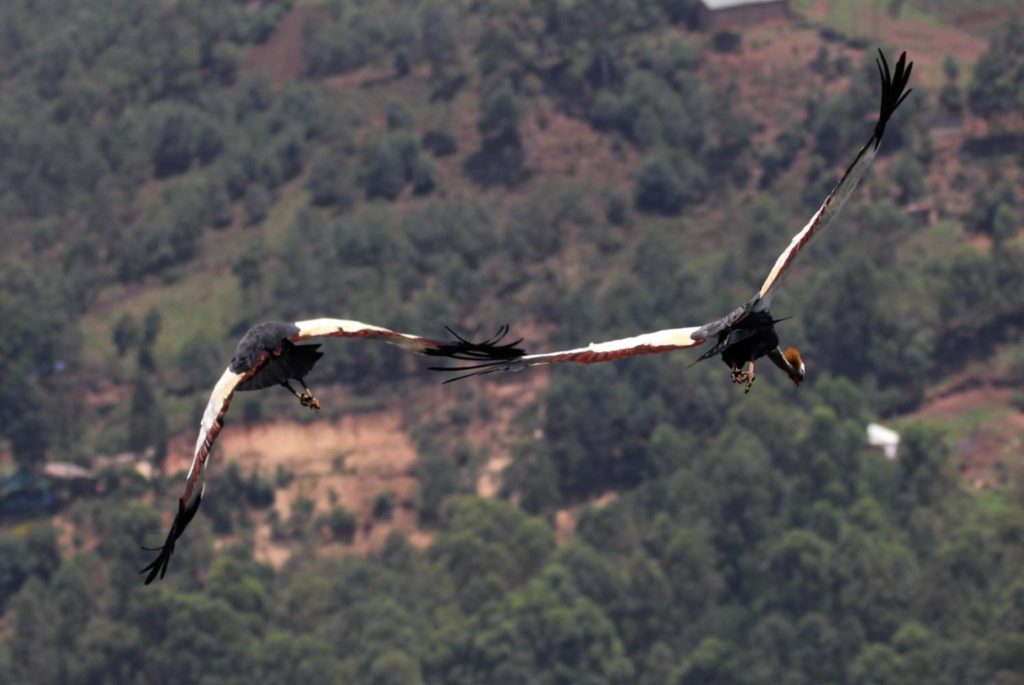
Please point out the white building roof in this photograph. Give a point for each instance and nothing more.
(729, 4)
(886, 438)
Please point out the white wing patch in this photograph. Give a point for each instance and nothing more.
(647, 343)
(345, 328)
(672, 337)
(209, 426)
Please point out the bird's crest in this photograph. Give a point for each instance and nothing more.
(792, 356)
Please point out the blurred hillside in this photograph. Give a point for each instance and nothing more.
(175, 172)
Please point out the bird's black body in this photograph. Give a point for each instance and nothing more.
(287, 360)
(263, 337)
(751, 338)
(293, 362)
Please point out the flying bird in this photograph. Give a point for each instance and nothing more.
(268, 355)
(748, 332)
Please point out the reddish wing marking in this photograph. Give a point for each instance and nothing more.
(203, 452)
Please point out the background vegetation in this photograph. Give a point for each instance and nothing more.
(163, 186)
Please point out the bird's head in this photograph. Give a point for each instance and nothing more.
(794, 364)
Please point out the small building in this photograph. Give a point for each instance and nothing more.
(923, 213)
(886, 438)
(44, 490)
(27, 493)
(718, 15)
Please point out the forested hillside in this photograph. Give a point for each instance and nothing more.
(171, 173)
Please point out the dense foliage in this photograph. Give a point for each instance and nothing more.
(777, 552)
(159, 189)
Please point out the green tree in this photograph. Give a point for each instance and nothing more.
(547, 632)
(798, 566)
(29, 553)
(34, 308)
(35, 650)
(439, 37)
(909, 175)
(438, 480)
(126, 334)
(489, 547)
(248, 269)
(501, 156)
(691, 565)
(951, 95)
(395, 668)
(151, 325)
(996, 88)
(332, 180)
(147, 425)
(199, 361)
(659, 189)
(286, 657)
(257, 203)
(386, 167)
(711, 663)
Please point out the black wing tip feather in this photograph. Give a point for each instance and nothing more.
(480, 369)
(491, 349)
(492, 353)
(894, 89)
(158, 567)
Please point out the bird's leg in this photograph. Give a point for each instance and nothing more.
(745, 376)
(751, 375)
(306, 398)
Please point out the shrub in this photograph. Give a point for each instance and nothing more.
(341, 523)
(384, 169)
(658, 187)
(423, 177)
(384, 505)
(332, 181)
(257, 203)
(727, 41)
(440, 142)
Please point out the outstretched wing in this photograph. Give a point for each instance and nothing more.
(209, 429)
(491, 349)
(594, 353)
(267, 341)
(893, 93)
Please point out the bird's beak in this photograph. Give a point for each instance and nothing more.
(797, 376)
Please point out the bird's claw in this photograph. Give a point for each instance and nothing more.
(745, 376)
(308, 400)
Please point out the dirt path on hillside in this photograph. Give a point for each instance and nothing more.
(279, 58)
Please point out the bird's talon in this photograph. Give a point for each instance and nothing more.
(308, 400)
(744, 376)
